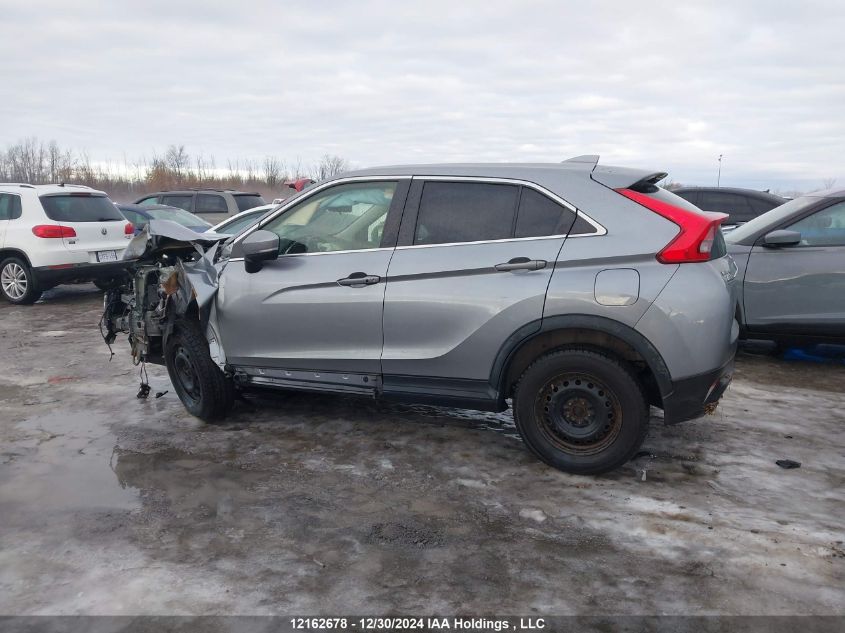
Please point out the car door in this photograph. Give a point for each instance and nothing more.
(800, 289)
(318, 307)
(10, 209)
(181, 200)
(466, 274)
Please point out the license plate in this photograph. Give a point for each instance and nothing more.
(106, 256)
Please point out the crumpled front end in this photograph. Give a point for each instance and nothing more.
(172, 273)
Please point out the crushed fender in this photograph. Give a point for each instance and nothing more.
(171, 272)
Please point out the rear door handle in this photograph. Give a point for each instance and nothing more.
(522, 263)
(358, 280)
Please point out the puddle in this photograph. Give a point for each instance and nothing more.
(66, 465)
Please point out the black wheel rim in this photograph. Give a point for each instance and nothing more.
(187, 380)
(578, 413)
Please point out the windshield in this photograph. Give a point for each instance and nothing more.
(80, 207)
(180, 216)
(248, 201)
(769, 218)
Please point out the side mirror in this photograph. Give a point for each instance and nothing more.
(259, 247)
(782, 238)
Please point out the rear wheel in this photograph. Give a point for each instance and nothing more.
(581, 411)
(201, 386)
(17, 282)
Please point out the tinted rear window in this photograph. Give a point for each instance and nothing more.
(80, 207)
(249, 201)
(465, 212)
(539, 215)
(211, 203)
(181, 201)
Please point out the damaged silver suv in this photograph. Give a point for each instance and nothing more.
(583, 293)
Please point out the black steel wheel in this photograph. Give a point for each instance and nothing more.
(204, 390)
(581, 411)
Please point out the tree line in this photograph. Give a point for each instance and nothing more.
(34, 161)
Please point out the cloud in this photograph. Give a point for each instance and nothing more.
(667, 85)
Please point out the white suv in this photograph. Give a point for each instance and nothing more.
(54, 234)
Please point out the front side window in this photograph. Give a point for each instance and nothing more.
(210, 203)
(10, 206)
(80, 207)
(181, 201)
(341, 218)
(823, 228)
(147, 202)
(465, 212)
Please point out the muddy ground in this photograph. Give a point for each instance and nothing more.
(316, 504)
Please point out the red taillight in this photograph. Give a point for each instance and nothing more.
(698, 230)
(128, 229)
(53, 230)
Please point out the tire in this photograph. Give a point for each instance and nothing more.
(17, 283)
(201, 386)
(581, 411)
(109, 284)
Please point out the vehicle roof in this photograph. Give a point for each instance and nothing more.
(190, 190)
(50, 188)
(738, 190)
(836, 192)
(577, 168)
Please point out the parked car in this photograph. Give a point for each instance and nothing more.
(55, 234)
(741, 205)
(214, 204)
(140, 215)
(792, 268)
(242, 220)
(584, 293)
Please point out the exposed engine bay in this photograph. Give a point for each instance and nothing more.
(170, 273)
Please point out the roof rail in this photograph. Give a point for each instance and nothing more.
(62, 184)
(17, 184)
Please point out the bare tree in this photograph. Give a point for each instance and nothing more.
(329, 166)
(828, 183)
(273, 171)
(178, 161)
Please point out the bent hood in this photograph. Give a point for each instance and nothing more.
(162, 237)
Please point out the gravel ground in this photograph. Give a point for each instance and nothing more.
(321, 504)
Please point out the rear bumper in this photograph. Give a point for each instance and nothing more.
(49, 276)
(691, 396)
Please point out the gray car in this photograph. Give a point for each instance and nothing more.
(581, 293)
(213, 205)
(792, 267)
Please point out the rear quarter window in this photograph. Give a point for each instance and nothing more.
(78, 207)
(10, 206)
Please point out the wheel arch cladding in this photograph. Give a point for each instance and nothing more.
(6, 253)
(527, 344)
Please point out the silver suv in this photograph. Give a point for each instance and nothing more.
(582, 293)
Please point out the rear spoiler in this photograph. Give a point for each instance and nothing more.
(615, 177)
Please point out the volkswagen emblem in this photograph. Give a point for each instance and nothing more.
(103, 231)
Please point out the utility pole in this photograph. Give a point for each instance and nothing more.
(719, 177)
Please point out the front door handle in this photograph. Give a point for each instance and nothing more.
(522, 263)
(358, 280)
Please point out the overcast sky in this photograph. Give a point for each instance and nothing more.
(665, 85)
